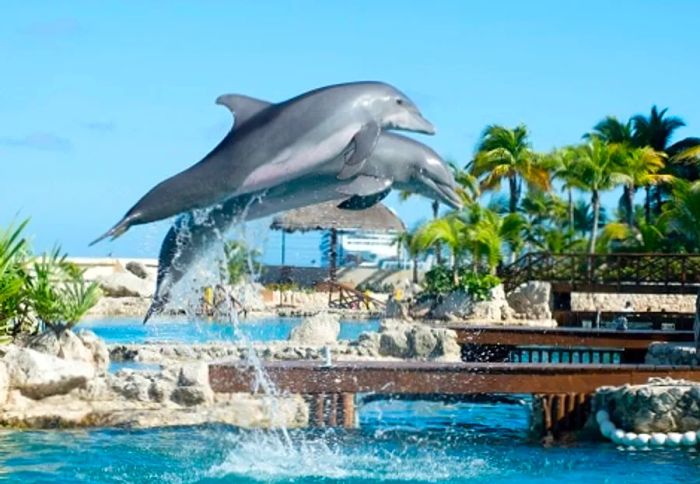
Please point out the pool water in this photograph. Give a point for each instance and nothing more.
(397, 442)
(132, 330)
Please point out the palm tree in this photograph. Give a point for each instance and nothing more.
(450, 230)
(641, 166)
(598, 167)
(656, 131)
(683, 215)
(612, 130)
(492, 231)
(407, 241)
(505, 154)
(563, 162)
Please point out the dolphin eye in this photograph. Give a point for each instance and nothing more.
(399, 101)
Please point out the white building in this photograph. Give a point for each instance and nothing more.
(356, 248)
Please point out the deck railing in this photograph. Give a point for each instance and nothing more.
(672, 271)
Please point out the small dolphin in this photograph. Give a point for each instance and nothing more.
(399, 162)
(274, 143)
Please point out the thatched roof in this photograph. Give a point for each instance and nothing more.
(325, 216)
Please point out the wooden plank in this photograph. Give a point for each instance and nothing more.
(599, 338)
(308, 377)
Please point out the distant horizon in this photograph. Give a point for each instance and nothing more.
(100, 102)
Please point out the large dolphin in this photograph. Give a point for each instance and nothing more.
(404, 163)
(274, 143)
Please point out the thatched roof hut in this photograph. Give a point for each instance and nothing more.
(327, 216)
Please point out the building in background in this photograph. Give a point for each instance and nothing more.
(362, 249)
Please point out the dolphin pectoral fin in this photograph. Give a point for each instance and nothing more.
(359, 149)
(242, 107)
(117, 230)
(365, 185)
(358, 202)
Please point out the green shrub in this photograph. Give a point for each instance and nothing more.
(439, 280)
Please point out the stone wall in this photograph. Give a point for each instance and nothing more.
(684, 303)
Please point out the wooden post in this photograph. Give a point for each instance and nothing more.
(696, 324)
(319, 410)
(348, 410)
(333, 256)
(333, 410)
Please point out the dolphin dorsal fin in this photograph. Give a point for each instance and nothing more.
(242, 107)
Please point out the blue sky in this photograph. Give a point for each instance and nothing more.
(101, 100)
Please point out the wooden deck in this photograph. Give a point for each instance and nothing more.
(599, 338)
(307, 377)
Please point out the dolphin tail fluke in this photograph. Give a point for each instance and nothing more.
(117, 230)
(155, 307)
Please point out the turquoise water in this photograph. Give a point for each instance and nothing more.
(397, 442)
(132, 330)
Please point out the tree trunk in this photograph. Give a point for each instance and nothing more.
(571, 211)
(629, 195)
(513, 182)
(647, 204)
(595, 203)
(657, 194)
(415, 269)
(438, 247)
(455, 269)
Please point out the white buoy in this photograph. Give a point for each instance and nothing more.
(674, 439)
(607, 428)
(690, 438)
(658, 439)
(602, 416)
(617, 436)
(642, 440)
(629, 439)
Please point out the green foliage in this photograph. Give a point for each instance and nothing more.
(239, 261)
(46, 290)
(438, 281)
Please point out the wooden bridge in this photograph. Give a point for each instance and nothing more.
(562, 391)
(619, 272)
(493, 343)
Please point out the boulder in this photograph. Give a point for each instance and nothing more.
(38, 375)
(401, 339)
(46, 342)
(318, 330)
(193, 374)
(137, 269)
(532, 300)
(4, 383)
(193, 395)
(96, 346)
(421, 342)
(72, 348)
(396, 309)
(125, 284)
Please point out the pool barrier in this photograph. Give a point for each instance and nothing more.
(643, 440)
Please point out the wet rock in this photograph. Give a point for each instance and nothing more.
(402, 339)
(662, 405)
(321, 329)
(421, 342)
(125, 284)
(39, 375)
(660, 353)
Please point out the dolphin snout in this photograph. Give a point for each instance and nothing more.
(423, 125)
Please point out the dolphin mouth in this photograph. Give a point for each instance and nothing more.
(424, 126)
(449, 196)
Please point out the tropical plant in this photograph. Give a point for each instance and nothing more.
(612, 130)
(642, 168)
(451, 231)
(239, 261)
(598, 166)
(407, 240)
(506, 154)
(439, 281)
(683, 215)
